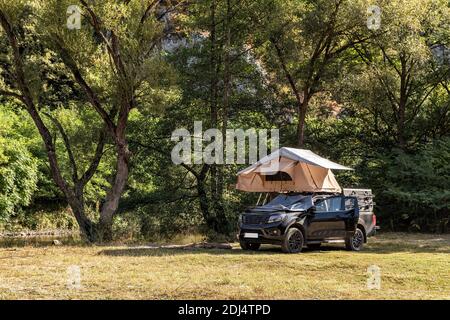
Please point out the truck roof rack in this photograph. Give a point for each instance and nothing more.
(364, 196)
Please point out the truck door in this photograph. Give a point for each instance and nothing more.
(350, 215)
(328, 221)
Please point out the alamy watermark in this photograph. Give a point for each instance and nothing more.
(374, 18)
(73, 278)
(231, 149)
(374, 277)
(74, 17)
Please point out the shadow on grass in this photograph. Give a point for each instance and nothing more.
(376, 248)
(158, 252)
(381, 244)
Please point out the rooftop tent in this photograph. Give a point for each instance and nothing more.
(289, 169)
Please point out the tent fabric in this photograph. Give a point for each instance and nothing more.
(308, 171)
(302, 155)
(275, 165)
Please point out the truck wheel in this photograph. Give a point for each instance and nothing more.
(293, 241)
(356, 242)
(249, 246)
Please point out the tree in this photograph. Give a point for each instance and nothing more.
(307, 39)
(402, 79)
(228, 52)
(113, 60)
(219, 80)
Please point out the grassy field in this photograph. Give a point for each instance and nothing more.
(412, 267)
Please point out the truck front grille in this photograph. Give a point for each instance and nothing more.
(255, 219)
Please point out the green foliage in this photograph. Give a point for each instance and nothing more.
(18, 167)
(411, 187)
(41, 217)
(414, 189)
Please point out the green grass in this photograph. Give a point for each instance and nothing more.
(412, 267)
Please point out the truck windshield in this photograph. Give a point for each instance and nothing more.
(291, 201)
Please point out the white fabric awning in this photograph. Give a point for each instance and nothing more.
(301, 155)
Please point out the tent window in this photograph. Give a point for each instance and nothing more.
(279, 176)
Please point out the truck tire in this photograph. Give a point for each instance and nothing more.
(249, 246)
(293, 241)
(356, 242)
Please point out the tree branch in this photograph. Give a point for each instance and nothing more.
(96, 159)
(149, 10)
(112, 47)
(12, 94)
(286, 71)
(92, 96)
(66, 144)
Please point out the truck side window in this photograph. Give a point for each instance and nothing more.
(321, 206)
(329, 205)
(335, 204)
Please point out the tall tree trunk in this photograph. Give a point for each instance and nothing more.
(111, 203)
(214, 71)
(301, 101)
(87, 228)
(214, 215)
(203, 197)
(222, 223)
(302, 111)
(401, 115)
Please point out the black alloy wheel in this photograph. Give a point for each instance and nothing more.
(293, 241)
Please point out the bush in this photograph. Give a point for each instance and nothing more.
(18, 175)
(413, 189)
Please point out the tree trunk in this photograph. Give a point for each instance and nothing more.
(402, 104)
(111, 203)
(213, 214)
(221, 220)
(214, 70)
(204, 206)
(87, 228)
(210, 218)
(302, 111)
(302, 102)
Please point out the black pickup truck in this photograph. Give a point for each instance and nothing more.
(297, 220)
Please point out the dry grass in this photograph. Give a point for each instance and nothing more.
(412, 267)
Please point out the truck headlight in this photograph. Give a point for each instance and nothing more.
(276, 218)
